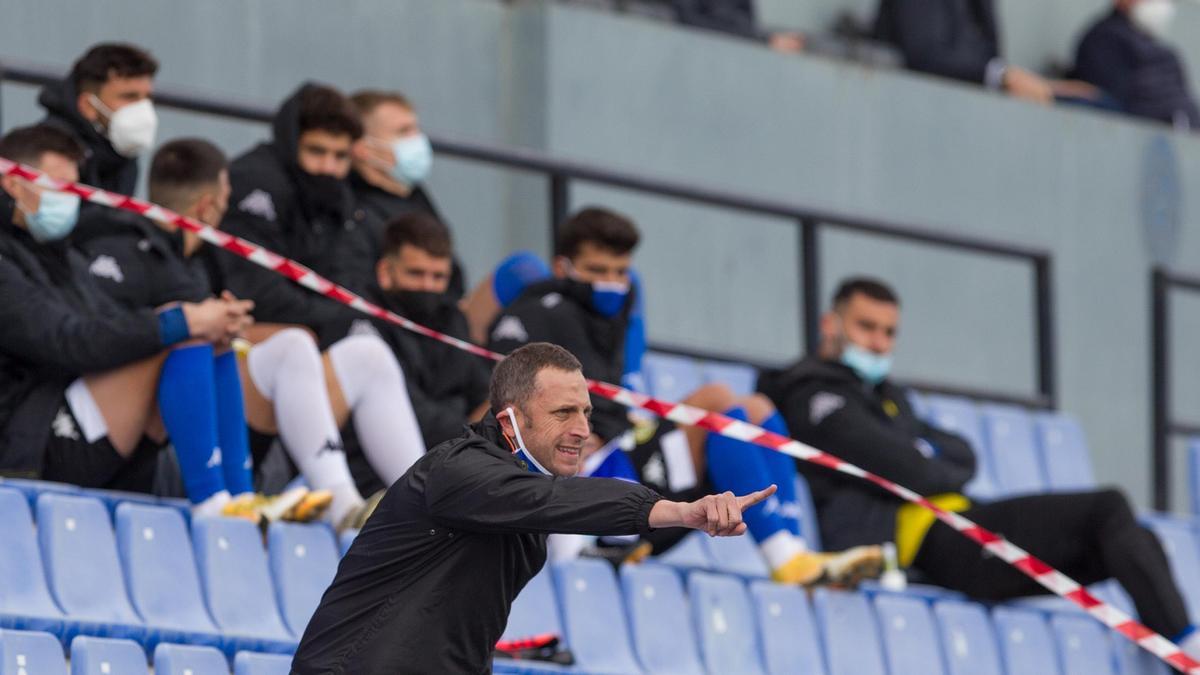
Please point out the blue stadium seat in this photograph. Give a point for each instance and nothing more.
(925, 592)
(237, 583)
(27, 652)
(172, 659)
(304, 559)
(1013, 448)
(787, 629)
(1193, 450)
(535, 611)
(1131, 659)
(910, 639)
(658, 616)
(691, 553)
(1183, 551)
(960, 417)
(1083, 646)
(344, 541)
(810, 527)
(33, 488)
(25, 601)
(1064, 451)
(160, 572)
(918, 403)
(849, 633)
(526, 667)
(739, 377)
(594, 617)
(671, 377)
(724, 619)
(183, 506)
(114, 498)
(1025, 641)
(106, 656)
(737, 555)
(83, 569)
(251, 663)
(968, 641)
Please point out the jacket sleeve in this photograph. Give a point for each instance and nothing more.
(951, 448)
(1103, 60)
(843, 427)
(474, 491)
(934, 42)
(36, 327)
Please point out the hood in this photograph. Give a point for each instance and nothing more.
(317, 194)
(776, 384)
(59, 100)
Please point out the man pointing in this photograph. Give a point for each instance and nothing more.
(427, 585)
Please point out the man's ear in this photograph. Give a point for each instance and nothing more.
(381, 274)
(506, 423)
(83, 103)
(559, 266)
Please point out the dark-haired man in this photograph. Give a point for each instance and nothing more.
(104, 103)
(841, 401)
(427, 585)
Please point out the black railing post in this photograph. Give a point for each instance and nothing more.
(560, 202)
(1160, 389)
(1043, 299)
(810, 285)
(1, 96)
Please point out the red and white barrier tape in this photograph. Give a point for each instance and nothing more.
(1053, 580)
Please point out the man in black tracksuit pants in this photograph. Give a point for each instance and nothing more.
(841, 402)
(428, 583)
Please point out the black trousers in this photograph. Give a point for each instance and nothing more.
(1089, 536)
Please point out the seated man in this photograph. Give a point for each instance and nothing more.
(105, 105)
(840, 401)
(1126, 55)
(290, 389)
(585, 308)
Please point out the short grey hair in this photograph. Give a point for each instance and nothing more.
(515, 378)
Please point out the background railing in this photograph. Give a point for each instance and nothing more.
(1165, 426)
(562, 174)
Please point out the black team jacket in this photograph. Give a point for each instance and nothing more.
(103, 166)
(428, 583)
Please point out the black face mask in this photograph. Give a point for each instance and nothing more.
(421, 306)
(322, 195)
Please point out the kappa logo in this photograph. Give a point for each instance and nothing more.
(106, 267)
(363, 327)
(64, 426)
(654, 471)
(551, 300)
(259, 203)
(823, 405)
(214, 460)
(510, 328)
(331, 446)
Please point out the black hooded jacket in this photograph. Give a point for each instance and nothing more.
(55, 325)
(560, 311)
(427, 585)
(310, 219)
(828, 407)
(103, 166)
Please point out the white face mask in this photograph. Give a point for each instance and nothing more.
(1153, 17)
(131, 129)
(522, 452)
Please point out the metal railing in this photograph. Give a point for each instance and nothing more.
(561, 174)
(1163, 422)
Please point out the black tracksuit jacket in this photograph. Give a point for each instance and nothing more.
(103, 166)
(428, 583)
(828, 407)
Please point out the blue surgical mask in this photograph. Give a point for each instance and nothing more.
(414, 157)
(608, 297)
(871, 367)
(55, 218)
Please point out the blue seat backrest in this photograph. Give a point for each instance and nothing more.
(345, 539)
(1193, 451)
(724, 620)
(739, 377)
(691, 553)
(304, 558)
(671, 377)
(1083, 646)
(960, 417)
(160, 567)
(910, 638)
(31, 653)
(737, 555)
(849, 633)
(1179, 539)
(32, 489)
(106, 656)
(1014, 449)
(810, 527)
(594, 616)
(1131, 659)
(968, 640)
(918, 403)
(787, 628)
(660, 619)
(25, 600)
(235, 578)
(251, 663)
(184, 659)
(1026, 644)
(1064, 451)
(535, 610)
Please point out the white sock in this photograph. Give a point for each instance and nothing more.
(373, 385)
(287, 369)
(781, 547)
(211, 506)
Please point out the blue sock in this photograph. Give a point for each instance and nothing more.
(231, 425)
(782, 469)
(188, 403)
(740, 467)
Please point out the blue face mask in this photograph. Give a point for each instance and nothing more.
(522, 453)
(55, 218)
(414, 157)
(608, 297)
(871, 367)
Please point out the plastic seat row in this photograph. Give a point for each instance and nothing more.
(674, 377)
(38, 653)
(150, 582)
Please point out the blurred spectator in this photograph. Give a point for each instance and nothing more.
(959, 39)
(391, 163)
(1125, 54)
(841, 400)
(736, 17)
(105, 104)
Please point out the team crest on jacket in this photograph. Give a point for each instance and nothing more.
(510, 328)
(106, 267)
(259, 203)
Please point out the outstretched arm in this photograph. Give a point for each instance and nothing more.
(718, 515)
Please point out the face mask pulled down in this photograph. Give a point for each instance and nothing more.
(872, 368)
(522, 452)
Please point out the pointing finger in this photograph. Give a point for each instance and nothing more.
(746, 501)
